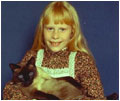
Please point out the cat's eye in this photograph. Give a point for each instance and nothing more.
(31, 73)
(20, 76)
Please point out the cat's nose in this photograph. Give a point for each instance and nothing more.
(27, 83)
(27, 78)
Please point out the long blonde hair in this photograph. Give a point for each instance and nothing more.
(63, 12)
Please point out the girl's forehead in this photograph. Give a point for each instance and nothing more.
(53, 20)
(59, 23)
(56, 20)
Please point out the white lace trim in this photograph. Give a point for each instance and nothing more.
(56, 73)
(72, 64)
(39, 59)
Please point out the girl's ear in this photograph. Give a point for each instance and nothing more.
(71, 36)
(14, 66)
(72, 33)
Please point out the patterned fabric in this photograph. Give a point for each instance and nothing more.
(86, 74)
(57, 72)
(13, 92)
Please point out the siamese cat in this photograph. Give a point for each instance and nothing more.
(37, 84)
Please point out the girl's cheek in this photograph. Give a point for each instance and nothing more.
(47, 36)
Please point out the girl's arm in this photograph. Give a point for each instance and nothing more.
(12, 92)
(88, 76)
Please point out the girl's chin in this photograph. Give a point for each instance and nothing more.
(55, 49)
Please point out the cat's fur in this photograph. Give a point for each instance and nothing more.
(37, 84)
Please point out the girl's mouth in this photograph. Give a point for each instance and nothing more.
(55, 44)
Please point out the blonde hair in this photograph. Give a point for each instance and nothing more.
(63, 12)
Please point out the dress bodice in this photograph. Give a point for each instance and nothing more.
(57, 72)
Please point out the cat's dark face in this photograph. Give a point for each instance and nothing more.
(25, 74)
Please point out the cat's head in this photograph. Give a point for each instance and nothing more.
(25, 74)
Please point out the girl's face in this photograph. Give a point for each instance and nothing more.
(57, 36)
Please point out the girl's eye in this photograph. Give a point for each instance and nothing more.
(50, 29)
(62, 29)
(31, 73)
(20, 76)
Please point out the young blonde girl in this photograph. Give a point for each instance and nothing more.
(73, 59)
(69, 17)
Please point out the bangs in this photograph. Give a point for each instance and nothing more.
(59, 14)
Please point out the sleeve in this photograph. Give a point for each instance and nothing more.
(12, 91)
(88, 76)
(27, 57)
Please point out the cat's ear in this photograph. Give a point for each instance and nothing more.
(14, 67)
(32, 60)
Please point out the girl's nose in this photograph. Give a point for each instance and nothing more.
(55, 34)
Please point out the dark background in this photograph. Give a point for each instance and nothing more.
(99, 22)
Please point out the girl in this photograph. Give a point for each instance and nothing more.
(61, 50)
